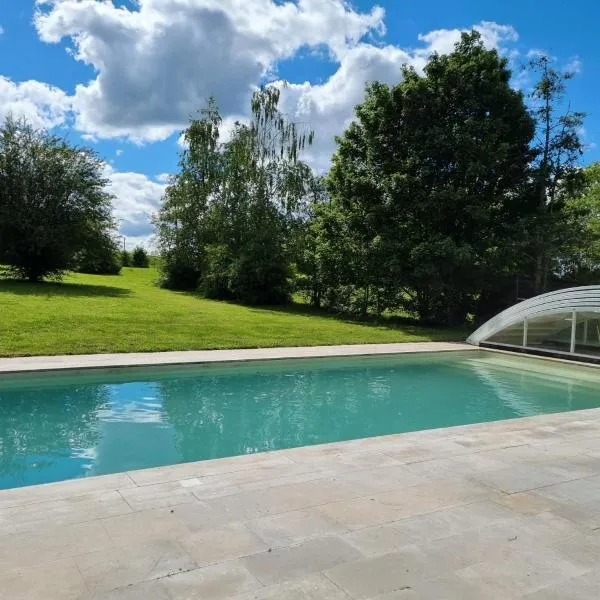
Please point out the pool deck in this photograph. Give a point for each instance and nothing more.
(148, 359)
(501, 510)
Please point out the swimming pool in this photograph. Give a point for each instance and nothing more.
(57, 426)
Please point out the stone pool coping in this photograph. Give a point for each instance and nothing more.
(24, 364)
(502, 510)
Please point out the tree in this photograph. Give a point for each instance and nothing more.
(139, 258)
(53, 201)
(228, 215)
(579, 260)
(427, 181)
(555, 175)
(180, 223)
(125, 258)
(102, 257)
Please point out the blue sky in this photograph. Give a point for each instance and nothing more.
(124, 76)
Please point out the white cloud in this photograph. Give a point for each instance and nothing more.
(157, 63)
(442, 41)
(137, 198)
(119, 152)
(329, 107)
(43, 105)
(574, 65)
(1, 30)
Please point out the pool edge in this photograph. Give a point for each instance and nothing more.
(65, 362)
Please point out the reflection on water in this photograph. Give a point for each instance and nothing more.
(63, 427)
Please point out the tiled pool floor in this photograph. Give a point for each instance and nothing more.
(499, 510)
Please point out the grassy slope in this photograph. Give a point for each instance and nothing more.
(127, 313)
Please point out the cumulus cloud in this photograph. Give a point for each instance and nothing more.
(158, 62)
(43, 105)
(137, 198)
(329, 107)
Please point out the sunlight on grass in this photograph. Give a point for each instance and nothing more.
(127, 313)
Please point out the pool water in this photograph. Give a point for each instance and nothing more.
(63, 426)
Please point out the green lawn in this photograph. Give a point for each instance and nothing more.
(127, 313)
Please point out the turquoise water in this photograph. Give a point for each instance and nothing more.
(56, 427)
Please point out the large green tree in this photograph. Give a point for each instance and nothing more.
(227, 219)
(555, 174)
(53, 201)
(428, 179)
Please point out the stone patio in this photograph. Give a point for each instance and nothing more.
(502, 510)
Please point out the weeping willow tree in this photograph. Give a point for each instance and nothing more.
(227, 215)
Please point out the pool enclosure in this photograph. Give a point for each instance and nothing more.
(564, 323)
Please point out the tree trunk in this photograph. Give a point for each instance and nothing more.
(538, 273)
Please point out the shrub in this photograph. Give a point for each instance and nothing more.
(139, 258)
(178, 273)
(100, 258)
(125, 258)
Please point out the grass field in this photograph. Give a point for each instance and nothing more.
(127, 313)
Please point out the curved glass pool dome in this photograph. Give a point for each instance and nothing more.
(564, 323)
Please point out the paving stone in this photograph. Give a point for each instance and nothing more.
(147, 590)
(422, 528)
(144, 525)
(585, 515)
(340, 462)
(298, 561)
(64, 489)
(521, 572)
(207, 468)
(137, 562)
(314, 587)
(217, 582)
(282, 498)
(160, 495)
(294, 527)
(477, 462)
(35, 547)
(200, 516)
(413, 500)
(450, 587)
(257, 479)
(359, 512)
(526, 503)
(407, 452)
(584, 587)
(365, 482)
(579, 492)
(388, 573)
(66, 511)
(499, 540)
(217, 545)
(57, 580)
(519, 478)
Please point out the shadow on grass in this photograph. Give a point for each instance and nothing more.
(406, 323)
(73, 290)
(409, 325)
